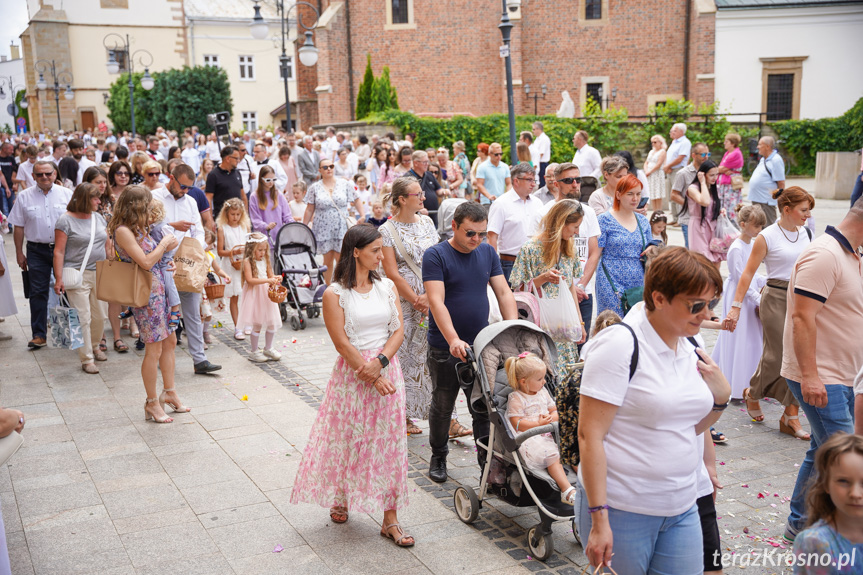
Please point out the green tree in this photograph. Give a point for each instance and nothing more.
(381, 94)
(183, 98)
(119, 109)
(364, 94)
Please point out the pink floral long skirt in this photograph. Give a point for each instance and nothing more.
(357, 452)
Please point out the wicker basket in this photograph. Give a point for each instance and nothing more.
(277, 294)
(215, 291)
(237, 264)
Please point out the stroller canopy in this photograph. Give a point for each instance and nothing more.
(295, 233)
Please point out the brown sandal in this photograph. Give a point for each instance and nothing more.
(340, 512)
(456, 429)
(756, 414)
(412, 428)
(385, 532)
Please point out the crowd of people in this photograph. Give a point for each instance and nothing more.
(422, 250)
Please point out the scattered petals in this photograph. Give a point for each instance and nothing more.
(245, 398)
(278, 549)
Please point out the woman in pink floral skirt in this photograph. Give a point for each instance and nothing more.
(357, 453)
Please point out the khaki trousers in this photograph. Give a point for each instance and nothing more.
(89, 315)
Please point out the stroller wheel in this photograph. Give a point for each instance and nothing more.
(466, 504)
(541, 546)
(310, 313)
(302, 322)
(295, 323)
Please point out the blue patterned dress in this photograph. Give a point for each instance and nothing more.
(621, 250)
(152, 320)
(329, 225)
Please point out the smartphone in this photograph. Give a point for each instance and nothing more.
(642, 203)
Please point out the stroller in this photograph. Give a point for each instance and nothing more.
(294, 260)
(503, 472)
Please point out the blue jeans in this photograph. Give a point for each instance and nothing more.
(507, 269)
(838, 415)
(685, 229)
(586, 309)
(6, 203)
(647, 544)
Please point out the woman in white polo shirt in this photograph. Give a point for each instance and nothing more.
(637, 478)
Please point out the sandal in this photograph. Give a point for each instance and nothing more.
(756, 414)
(175, 320)
(412, 428)
(456, 429)
(385, 532)
(133, 330)
(785, 428)
(120, 346)
(177, 407)
(568, 496)
(339, 514)
(103, 345)
(717, 436)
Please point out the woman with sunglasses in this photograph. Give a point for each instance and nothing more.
(152, 171)
(777, 246)
(650, 510)
(327, 202)
(269, 209)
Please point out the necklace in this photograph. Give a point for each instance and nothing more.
(786, 237)
(363, 295)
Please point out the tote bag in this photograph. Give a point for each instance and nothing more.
(192, 266)
(124, 283)
(64, 325)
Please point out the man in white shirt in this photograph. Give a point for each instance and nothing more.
(567, 179)
(549, 192)
(34, 214)
(675, 160)
(25, 170)
(586, 157)
(330, 145)
(191, 156)
(542, 143)
(260, 160)
(152, 150)
(514, 217)
(76, 147)
(214, 151)
(59, 152)
(182, 215)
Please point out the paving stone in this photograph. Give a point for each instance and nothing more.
(184, 541)
(256, 537)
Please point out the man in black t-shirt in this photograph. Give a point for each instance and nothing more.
(224, 182)
(428, 183)
(8, 169)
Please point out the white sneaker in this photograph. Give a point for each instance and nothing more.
(273, 354)
(257, 356)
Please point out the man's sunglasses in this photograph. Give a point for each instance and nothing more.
(184, 187)
(705, 154)
(43, 174)
(697, 306)
(472, 233)
(569, 181)
(496, 154)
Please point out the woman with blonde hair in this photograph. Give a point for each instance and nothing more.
(653, 170)
(151, 170)
(232, 227)
(207, 166)
(523, 152)
(550, 262)
(137, 161)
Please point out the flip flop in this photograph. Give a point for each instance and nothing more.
(717, 436)
(456, 429)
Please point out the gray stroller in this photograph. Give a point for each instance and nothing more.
(504, 473)
(294, 260)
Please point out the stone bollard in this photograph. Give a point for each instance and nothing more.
(835, 173)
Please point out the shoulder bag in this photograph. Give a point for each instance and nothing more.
(125, 283)
(74, 278)
(397, 241)
(633, 295)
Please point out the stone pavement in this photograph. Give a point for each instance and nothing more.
(96, 489)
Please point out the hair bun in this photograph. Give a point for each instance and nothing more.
(778, 192)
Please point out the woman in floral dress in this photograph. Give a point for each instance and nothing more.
(730, 165)
(550, 261)
(129, 229)
(356, 458)
(327, 200)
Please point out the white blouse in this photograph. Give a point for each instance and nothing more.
(370, 319)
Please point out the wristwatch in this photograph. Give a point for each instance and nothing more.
(384, 361)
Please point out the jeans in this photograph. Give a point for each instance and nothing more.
(586, 309)
(190, 305)
(40, 261)
(648, 544)
(507, 269)
(685, 229)
(6, 203)
(542, 167)
(858, 189)
(838, 415)
(445, 388)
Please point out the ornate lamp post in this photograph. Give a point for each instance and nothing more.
(535, 96)
(44, 66)
(115, 43)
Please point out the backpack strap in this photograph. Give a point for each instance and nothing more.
(808, 232)
(633, 361)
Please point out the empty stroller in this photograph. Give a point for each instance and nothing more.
(294, 257)
(504, 472)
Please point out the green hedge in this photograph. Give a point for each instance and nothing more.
(610, 130)
(802, 139)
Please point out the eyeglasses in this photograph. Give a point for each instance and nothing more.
(697, 306)
(42, 174)
(434, 172)
(496, 154)
(526, 179)
(421, 194)
(705, 155)
(330, 167)
(154, 174)
(569, 181)
(472, 233)
(268, 180)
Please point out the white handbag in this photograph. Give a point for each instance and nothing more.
(9, 445)
(74, 278)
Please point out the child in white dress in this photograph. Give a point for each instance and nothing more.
(529, 406)
(233, 225)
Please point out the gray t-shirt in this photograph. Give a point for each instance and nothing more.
(78, 237)
(682, 180)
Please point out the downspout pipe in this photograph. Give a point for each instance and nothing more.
(351, 101)
(686, 41)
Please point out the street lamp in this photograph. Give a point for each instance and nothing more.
(605, 102)
(535, 96)
(144, 59)
(12, 108)
(505, 32)
(308, 52)
(43, 66)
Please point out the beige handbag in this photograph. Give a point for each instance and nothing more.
(127, 284)
(736, 182)
(192, 266)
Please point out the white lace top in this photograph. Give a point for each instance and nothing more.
(370, 319)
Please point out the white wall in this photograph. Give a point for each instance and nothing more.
(831, 37)
(15, 70)
(139, 12)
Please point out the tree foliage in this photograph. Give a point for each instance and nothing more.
(364, 94)
(180, 98)
(376, 94)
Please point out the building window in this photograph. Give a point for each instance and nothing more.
(593, 12)
(594, 91)
(120, 57)
(212, 60)
(287, 68)
(247, 67)
(780, 97)
(250, 121)
(593, 9)
(400, 15)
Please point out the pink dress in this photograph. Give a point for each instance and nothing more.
(701, 230)
(357, 452)
(539, 451)
(728, 196)
(256, 307)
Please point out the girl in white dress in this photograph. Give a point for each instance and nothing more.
(653, 170)
(233, 226)
(737, 353)
(529, 406)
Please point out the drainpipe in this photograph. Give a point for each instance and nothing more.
(686, 37)
(192, 42)
(350, 59)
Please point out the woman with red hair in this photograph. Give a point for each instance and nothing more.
(624, 237)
